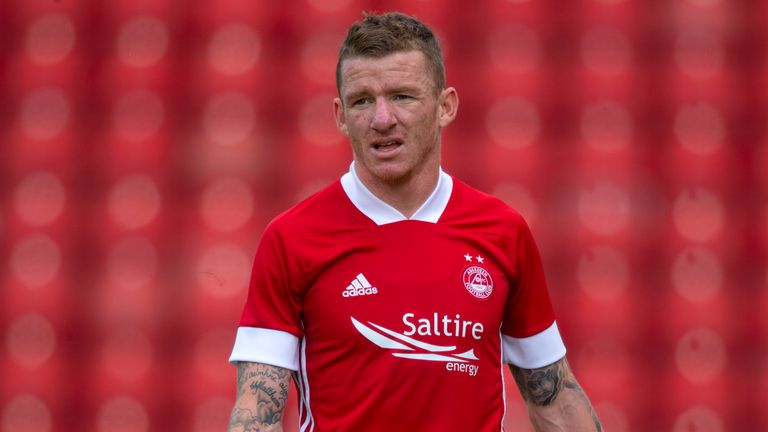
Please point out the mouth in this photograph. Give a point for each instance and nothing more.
(387, 146)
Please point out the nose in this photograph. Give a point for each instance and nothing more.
(383, 117)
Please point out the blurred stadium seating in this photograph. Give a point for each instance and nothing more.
(144, 145)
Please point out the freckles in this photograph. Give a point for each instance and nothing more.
(354, 121)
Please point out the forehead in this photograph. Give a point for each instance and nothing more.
(400, 68)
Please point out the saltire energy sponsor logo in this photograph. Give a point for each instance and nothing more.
(404, 346)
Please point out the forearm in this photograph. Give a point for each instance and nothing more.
(262, 391)
(555, 400)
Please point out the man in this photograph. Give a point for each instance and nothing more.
(394, 296)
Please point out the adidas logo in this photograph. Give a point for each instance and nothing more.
(359, 287)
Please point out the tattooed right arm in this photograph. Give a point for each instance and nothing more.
(262, 391)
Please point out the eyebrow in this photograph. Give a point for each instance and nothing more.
(394, 90)
(356, 95)
(405, 89)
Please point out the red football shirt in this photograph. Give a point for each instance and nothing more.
(393, 323)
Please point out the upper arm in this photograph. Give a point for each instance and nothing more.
(262, 392)
(274, 298)
(531, 335)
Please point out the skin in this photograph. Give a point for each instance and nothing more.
(262, 391)
(555, 400)
(394, 99)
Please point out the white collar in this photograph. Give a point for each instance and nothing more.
(382, 213)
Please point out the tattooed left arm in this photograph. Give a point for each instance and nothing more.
(554, 399)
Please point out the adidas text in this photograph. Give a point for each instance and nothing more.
(359, 292)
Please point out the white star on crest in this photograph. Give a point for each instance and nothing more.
(468, 257)
(480, 259)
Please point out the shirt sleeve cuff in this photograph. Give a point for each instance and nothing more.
(272, 347)
(535, 351)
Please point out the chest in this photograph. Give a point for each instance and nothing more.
(406, 282)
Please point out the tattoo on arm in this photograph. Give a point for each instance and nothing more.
(541, 387)
(262, 391)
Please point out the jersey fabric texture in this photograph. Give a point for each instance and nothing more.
(398, 324)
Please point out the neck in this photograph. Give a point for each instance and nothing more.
(405, 195)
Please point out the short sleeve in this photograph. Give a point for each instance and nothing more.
(530, 337)
(270, 326)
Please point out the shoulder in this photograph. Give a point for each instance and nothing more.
(470, 204)
(323, 213)
(319, 205)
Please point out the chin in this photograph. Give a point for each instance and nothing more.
(392, 175)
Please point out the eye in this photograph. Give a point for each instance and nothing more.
(402, 97)
(361, 101)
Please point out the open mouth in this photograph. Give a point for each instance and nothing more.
(387, 146)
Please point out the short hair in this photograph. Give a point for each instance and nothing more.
(377, 36)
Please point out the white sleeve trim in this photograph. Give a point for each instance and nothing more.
(272, 347)
(535, 351)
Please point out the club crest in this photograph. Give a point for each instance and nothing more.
(478, 281)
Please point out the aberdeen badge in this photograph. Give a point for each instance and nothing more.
(478, 282)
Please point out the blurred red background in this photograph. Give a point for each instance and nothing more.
(146, 143)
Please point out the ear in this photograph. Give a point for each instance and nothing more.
(338, 114)
(449, 106)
